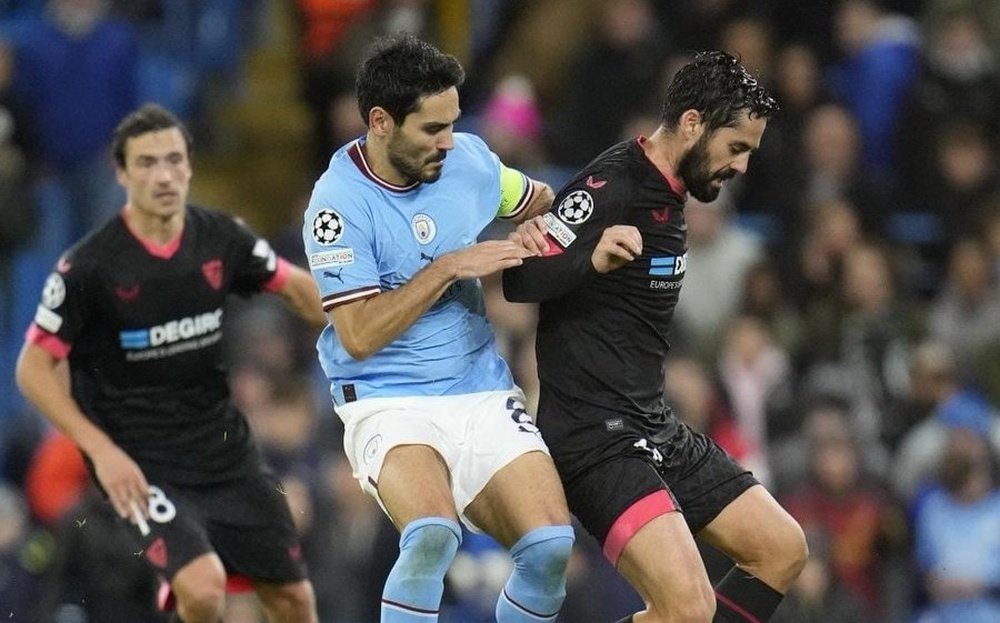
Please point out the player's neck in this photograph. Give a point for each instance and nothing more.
(664, 150)
(377, 157)
(156, 228)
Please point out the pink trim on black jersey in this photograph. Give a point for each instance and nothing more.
(635, 517)
(162, 251)
(358, 157)
(342, 298)
(280, 278)
(48, 342)
(676, 185)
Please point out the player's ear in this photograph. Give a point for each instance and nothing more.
(690, 123)
(380, 121)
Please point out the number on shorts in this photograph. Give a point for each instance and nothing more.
(520, 416)
(161, 509)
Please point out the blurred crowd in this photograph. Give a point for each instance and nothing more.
(838, 331)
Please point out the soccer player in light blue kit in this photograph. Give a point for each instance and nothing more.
(435, 427)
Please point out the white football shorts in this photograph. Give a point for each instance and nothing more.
(476, 435)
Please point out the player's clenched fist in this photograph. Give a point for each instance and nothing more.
(619, 245)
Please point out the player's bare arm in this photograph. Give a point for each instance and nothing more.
(619, 245)
(302, 296)
(364, 327)
(43, 383)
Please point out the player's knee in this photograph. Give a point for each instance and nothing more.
(295, 603)
(795, 553)
(698, 608)
(196, 604)
(200, 590)
(427, 548)
(542, 556)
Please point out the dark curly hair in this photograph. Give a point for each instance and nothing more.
(399, 71)
(718, 86)
(147, 118)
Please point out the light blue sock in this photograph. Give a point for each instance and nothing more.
(414, 587)
(537, 587)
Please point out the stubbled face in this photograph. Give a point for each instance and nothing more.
(157, 173)
(417, 147)
(719, 155)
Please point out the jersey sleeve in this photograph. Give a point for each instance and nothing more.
(258, 268)
(63, 309)
(512, 188)
(579, 215)
(339, 240)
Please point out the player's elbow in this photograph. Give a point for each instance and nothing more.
(357, 348)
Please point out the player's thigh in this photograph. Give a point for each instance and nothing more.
(661, 561)
(525, 494)
(401, 451)
(414, 482)
(759, 535)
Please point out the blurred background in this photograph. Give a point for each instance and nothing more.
(839, 330)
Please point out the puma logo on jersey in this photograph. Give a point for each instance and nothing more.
(334, 275)
(595, 184)
(425, 257)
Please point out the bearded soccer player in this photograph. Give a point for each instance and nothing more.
(137, 308)
(641, 481)
(435, 428)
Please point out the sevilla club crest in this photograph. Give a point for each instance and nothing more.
(212, 269)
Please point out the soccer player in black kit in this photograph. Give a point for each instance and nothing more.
(137, 307)
(638, 479)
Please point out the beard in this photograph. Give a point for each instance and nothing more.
(411, 165)
(694, 172)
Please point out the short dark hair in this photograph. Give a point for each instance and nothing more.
(399, 71)
(147, 118)
(718, 86)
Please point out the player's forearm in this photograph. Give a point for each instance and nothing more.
(544, 278)
(382, 318)
(40, 382)
(302, 297)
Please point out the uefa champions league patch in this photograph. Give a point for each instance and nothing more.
(576, 207)
(327, 227)
(54, 291)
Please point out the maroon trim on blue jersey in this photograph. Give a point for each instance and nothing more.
(676, 185)
(162, 251)
(48, 342)
(358, 157)
(280, 278)
(635, 517)
(342, 298)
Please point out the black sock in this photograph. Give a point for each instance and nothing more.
(742, 598)
(627, 619)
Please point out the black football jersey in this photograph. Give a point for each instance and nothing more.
(142, 328)
(602, 338)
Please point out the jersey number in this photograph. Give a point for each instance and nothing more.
(520, 416)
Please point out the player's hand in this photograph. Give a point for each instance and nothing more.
(484, 258)
(619, 245)
(122, 480)
(531, 235)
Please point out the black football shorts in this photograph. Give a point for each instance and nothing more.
(246, 522)
(699, 477)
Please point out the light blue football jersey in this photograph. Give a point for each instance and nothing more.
(364, 236)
